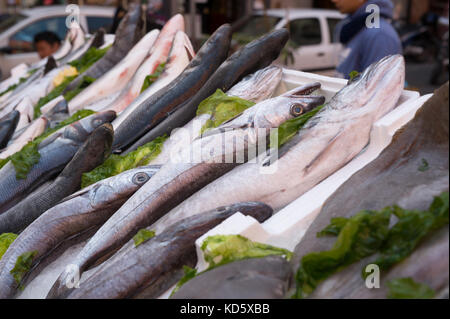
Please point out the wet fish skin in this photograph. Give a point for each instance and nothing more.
(254, 278)
(75, 214)
(252, 57)
(148, 270)
(150, 112)
(8, 125)
(320, 148)
(129, 32)
(56, 151)
(91, 154)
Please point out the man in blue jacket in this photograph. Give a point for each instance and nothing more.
(366, 33)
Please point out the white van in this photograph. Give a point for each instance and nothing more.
(313, 47)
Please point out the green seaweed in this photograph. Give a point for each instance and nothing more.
(142, 236)
(222, 108)
(57, 91)
(219, 250)
(13, 86)
(288, 129)
(189, 273)
(116, 164)
(87, 80)
(424, 166)
(368, 233)
(150, 79)
(22, 267)
(6, 239)
(82, 64)
(407, 288)
(89, 58)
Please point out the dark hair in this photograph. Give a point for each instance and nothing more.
(47, 36)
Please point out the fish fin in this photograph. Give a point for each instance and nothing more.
(324, 152)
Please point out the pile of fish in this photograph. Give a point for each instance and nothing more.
(174, 142)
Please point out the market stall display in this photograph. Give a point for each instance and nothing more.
(264, 158)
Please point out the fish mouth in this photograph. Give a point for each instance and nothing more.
(304, 90)
(305, 104)
(386, 68)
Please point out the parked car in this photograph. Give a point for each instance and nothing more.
(18, 30)
(312, 44)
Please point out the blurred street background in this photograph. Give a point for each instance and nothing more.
(421, 24)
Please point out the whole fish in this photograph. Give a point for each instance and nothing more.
(256, 87)
(158, 55)
(8, 125)
(115, 79)
(91, 154)
(252, 57)
(254, 278)
(129, 127)
(177, 180)
(55, 152)
(151, 268)
(77, 213)
(32, 131)
(326, 143)
(129, 32)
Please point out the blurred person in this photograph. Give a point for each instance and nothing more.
(46, 43)
(156, 17)
(364, 45)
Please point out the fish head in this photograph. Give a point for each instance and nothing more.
(383, 78)
(274, 112)
(257, 210)
(79, 131)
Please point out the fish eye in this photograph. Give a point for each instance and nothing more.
(97, 122)
(140, 178)
(296, 109)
